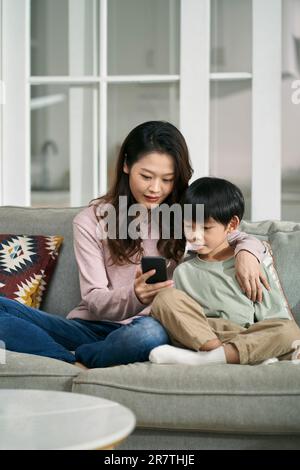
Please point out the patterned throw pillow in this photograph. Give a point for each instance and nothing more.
(26, 265)
(269, 264)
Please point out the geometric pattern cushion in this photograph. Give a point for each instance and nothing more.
(26, 265)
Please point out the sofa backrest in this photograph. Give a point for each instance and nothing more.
(63, 292)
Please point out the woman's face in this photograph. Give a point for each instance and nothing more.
(151, 179)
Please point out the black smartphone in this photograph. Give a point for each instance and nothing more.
(159, 264)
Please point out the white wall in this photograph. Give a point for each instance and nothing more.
(1, 106)
(15, 142)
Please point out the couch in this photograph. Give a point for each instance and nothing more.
(177, 407)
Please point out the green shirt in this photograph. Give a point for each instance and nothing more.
(214, 286)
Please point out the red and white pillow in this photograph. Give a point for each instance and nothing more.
(26, 265)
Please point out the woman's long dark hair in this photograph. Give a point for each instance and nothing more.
(153, 136)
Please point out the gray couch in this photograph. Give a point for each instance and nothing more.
(177, 407)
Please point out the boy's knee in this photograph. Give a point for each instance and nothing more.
(286, 333)
(169, 293)
(289, 331)
(164, 299)
(162, 296)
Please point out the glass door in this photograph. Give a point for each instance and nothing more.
(79, 74)
(290, 200)
(64, 100)
(98, 68)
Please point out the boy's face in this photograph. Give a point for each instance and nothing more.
(208, 238)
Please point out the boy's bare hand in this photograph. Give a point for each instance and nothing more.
(146, 292)
(249, 276)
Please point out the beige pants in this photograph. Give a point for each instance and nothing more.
(188, 327)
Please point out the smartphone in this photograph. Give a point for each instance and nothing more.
(159, 264)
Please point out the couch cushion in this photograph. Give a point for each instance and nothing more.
(64, 292)
(36, 372)
(227, 398)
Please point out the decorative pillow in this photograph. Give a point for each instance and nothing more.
(26, 265)
(281, 299)
(286, 249)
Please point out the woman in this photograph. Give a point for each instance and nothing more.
(111, 325)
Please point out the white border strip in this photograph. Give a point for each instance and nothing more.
(1, 109)
(16, 112)
(103, 99)
(85, 80)
(96, 93)
(142, 79)
(195, 81)
(27, 104)
(230, 76)
(266, 113)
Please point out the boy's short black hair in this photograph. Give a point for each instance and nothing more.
(222, 200)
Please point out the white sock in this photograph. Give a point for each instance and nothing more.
(167, 354)
(272, 360)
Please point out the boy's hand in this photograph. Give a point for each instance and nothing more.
(249, 276)
(146, 292)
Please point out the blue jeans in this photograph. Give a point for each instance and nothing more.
(95, 343)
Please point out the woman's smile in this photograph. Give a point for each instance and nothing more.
(152, 198)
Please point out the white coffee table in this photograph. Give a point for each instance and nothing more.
(39, 419)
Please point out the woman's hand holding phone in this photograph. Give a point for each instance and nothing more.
(146, 292)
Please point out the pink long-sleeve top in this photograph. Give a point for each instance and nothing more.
(107, 290)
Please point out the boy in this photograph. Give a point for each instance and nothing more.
(206, 312)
